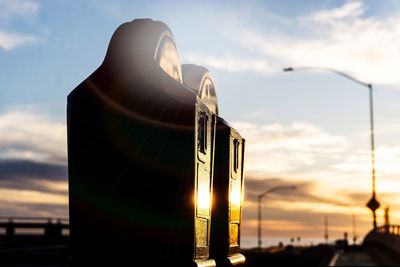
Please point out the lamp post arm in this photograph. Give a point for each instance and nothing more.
(275, 189)
(331, 70)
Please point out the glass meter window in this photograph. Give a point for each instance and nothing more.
(236, 155)
(202, 132)
(207, 94)
(168, 59)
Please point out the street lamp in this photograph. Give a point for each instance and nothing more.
(373, 203)
(259, 197)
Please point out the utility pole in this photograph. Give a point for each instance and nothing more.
(354, 229)
(326, 229)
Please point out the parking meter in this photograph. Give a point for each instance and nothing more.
(200, 81)
(228, 174)
(140, 157)
(228, 196)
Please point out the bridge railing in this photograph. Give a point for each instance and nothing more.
(49, 227)
(389, 229)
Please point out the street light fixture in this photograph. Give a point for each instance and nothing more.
(259, 197)
(373, 203)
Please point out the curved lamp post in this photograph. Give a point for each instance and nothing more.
(259, 198)
(373, 203)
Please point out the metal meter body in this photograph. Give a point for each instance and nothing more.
(140, 157)
(228, 196)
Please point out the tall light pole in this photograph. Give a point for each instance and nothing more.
(259, 197)
(373, 203)
(326, 235)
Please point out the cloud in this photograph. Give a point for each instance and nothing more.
(10, 40)
(229, 63)
(28, 209)
(10, 8)
(32, 136)
(32, 196)
(342, 38)
(365, 47)
(306, 156)
(256, 186)
(386, 163)
(348, 10)
(17, 169)
(277, 148)
(302, 210)
(16, 9)
(305, 218)
(30, 188)
(304, 190)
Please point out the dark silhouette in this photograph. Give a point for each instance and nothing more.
(141, 156)
(228, 184)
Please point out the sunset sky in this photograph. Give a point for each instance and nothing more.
(309, 129)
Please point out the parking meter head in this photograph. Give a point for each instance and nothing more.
(144, 42)
(166, 56)
(200, 80)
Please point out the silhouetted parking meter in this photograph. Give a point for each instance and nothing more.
(228, 174)
(140, 157)
(228, 196)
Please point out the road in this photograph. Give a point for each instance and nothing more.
(353, 258)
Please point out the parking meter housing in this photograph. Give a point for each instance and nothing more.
(140, 159)
(228, 173)
(228, 196)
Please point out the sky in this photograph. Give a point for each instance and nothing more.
(309, 128)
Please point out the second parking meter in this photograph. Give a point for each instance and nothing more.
(228, 196)
(228, 174)
(140, 157)
(200, 81)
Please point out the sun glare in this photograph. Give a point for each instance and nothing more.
(203, 199)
